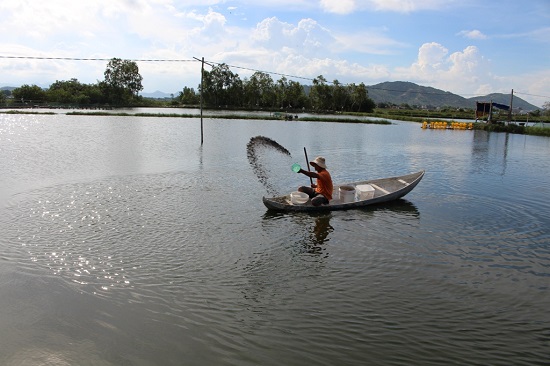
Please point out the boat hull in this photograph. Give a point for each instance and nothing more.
(386, 189)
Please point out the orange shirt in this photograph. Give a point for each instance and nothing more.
(324, 184)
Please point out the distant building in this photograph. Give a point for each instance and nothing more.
(485, 110)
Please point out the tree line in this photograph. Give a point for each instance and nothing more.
(121, 86)
(221, 88)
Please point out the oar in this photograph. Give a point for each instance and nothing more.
(307, 163)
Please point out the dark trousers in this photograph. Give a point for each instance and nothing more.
(317, 199)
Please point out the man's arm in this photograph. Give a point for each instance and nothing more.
(308, 173)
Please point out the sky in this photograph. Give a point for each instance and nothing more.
(467, 47)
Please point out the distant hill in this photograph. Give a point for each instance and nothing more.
(157, 95)
(505, 99)
(400, 92)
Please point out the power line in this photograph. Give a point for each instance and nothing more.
(370, 87)
(89, 59)
(266, 72)
(304, 78)
(533, 95)
(233, 66)
(145, 60)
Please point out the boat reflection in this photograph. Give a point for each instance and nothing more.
(400, 206)
(311, 231)
(321, 230)
(307, 230)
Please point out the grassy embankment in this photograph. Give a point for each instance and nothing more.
(224, 116)
(421, 116)
(379, 116)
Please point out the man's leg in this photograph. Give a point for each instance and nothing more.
(307, 190)
(319, 200)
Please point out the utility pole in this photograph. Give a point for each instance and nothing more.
(511, 102)
(202, 87)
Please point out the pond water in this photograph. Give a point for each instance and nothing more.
(124, 241)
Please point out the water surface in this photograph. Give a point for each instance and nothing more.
(124, 241)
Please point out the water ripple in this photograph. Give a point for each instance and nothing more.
(136, 265)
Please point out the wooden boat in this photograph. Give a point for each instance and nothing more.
(385, 190)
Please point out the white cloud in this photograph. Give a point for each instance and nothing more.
(397, 6)
(41, 19)
(406, 6)
(473, 34)
(431, 56)
(43, 72)
(338, 6)
(467, 62)
(370, 41)
(307, 37)
(169, 29)
(463, 72)
(541, 35)
(532, 86)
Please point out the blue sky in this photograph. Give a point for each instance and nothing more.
(468, 47)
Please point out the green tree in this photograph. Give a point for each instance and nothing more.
(281, 89)
(122, 81)
(235, 91)
(360, 101)
(320, 94)
(29, 94)
(340, 97)
(73, 92)
(188, 96)
(296, 95)
(222, 87)
(535, 113)
(251, 92)
(259, 90)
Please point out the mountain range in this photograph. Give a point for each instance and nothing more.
(401, 92)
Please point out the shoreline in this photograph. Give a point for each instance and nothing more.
(515, 127)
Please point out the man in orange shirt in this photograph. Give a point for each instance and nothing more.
(320, 193)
